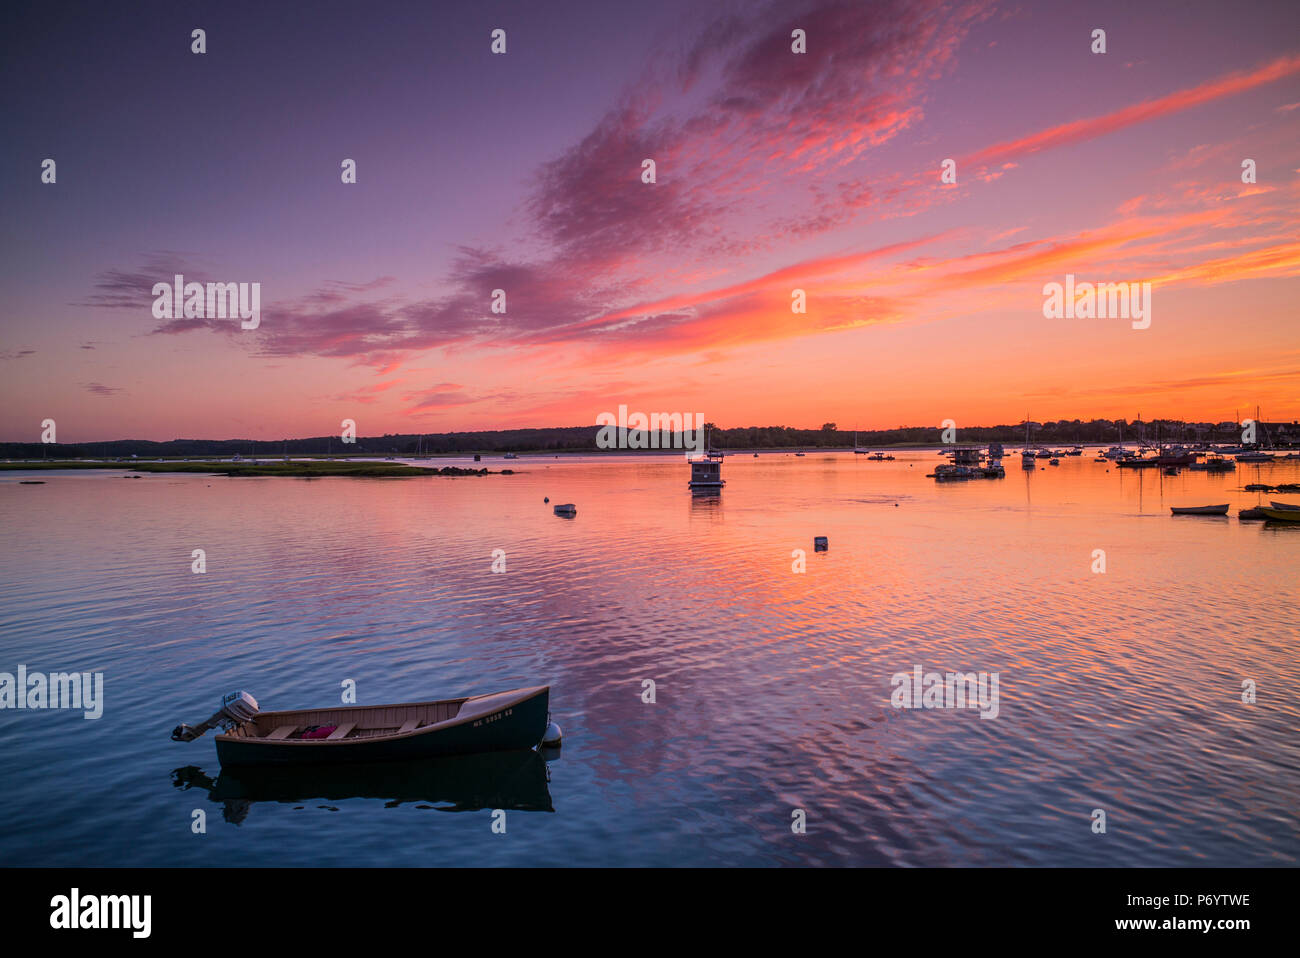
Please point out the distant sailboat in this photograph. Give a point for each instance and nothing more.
(1257, 453)
(1027, 456)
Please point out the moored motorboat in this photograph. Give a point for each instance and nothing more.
(1175, 456)
(706, 471)
(1214, 464)
(706, 474)
(968, 462)
(1220, 510)
(516, 719)
(1281, 515)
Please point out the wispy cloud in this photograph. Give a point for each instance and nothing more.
(1077, 131)
(133, 288)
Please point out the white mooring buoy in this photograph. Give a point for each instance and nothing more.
(552, 737)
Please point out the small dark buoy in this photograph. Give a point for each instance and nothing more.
(546, 498)
(553, 737)
(820, 543)
(895, 505)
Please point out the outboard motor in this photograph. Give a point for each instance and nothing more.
(236, 709)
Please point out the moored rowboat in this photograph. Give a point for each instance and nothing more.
(516, 719)
(1282, 515)
(1221, 510)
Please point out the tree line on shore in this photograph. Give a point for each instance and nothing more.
(583, 439)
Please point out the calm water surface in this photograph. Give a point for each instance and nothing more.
(1119, 691)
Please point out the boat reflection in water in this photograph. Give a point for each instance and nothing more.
(514, 780)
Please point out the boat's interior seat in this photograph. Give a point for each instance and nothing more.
(410, 726)
(283, 731)
(340, 732)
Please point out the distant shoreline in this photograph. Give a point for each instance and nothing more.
(302, 469)
(371, 465)
(582, 440)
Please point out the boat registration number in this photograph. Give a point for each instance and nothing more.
(493, 718)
